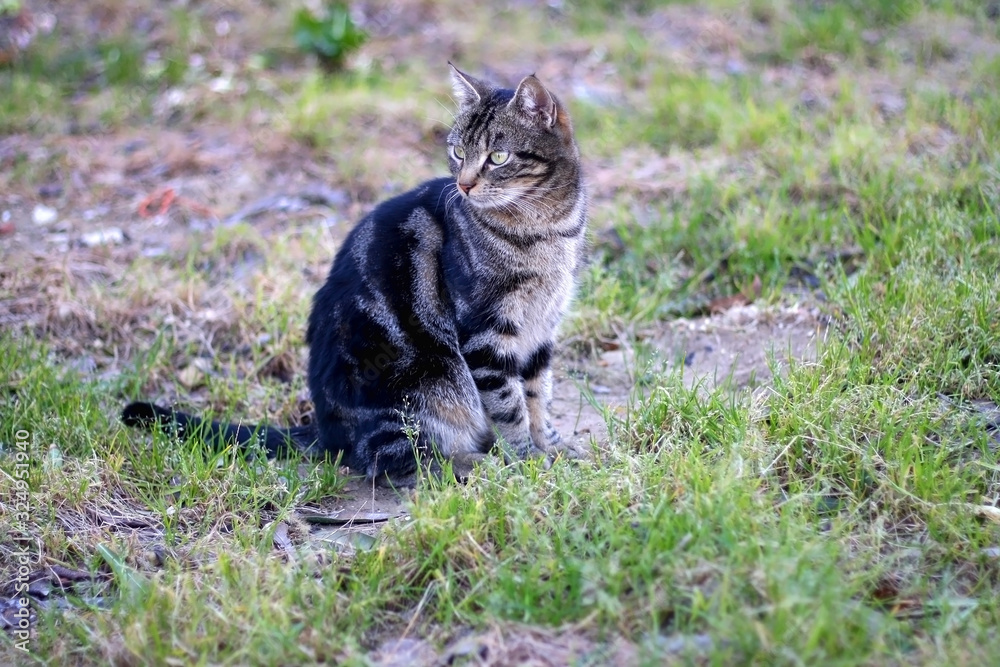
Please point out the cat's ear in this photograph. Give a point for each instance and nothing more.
(535, 102)
(467, 90)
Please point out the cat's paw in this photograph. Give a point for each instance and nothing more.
(546, 437)
(570, 451)
(518, 451)
(463, 464)
(556, 447)
(534, 453)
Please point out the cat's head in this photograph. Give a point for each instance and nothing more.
(511, 150)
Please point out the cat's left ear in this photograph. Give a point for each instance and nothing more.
(467, 90)
(534, 101)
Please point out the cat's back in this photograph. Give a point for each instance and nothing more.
(393, 224)
(388, 262)
(378, 247)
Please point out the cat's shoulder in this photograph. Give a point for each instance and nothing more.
(434, 197)
(388, 231)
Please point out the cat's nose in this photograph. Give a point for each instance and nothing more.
(466, 186)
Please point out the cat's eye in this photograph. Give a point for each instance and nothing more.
(458, 152)
(499, 157)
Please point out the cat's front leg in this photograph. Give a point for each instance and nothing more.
(537, 377)
(507, 408)
(501, 391)
(538, 395)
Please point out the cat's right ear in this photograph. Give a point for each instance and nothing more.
(535, 102)
(468, 91)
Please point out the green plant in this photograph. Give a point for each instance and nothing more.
(331, 36)
(9, 6)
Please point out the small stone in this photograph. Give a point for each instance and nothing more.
(107, 236)
(152, 557)
(191, 376)
(221, 84)
(735, 67)
(93, 213)
(44, 215)
(154, 251)
(175, 97)
(871, 37)
(50, 190)
(891, 105)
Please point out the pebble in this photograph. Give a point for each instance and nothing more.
(154, 251)
(50, 190)
(44, 215)
(107, 236)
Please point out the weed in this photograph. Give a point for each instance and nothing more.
(332, 36)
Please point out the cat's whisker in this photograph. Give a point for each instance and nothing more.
(437, 121)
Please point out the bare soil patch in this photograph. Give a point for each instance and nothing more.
(735, 348)
(530, 645)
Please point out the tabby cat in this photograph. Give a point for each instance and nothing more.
(442, 304)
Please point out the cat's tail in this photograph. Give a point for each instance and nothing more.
(276, 441)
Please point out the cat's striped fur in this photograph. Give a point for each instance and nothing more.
(443, 303)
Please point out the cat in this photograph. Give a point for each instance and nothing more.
(441, 306)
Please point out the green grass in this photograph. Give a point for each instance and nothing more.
(844, 513)
(372, 109)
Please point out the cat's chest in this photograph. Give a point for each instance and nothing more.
(537, 302)
(511, 297)
(522, 313)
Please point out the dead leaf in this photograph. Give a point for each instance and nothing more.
(282, 541)
(988, 512)
(336, 520)
(343, 539)
(722, 304)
